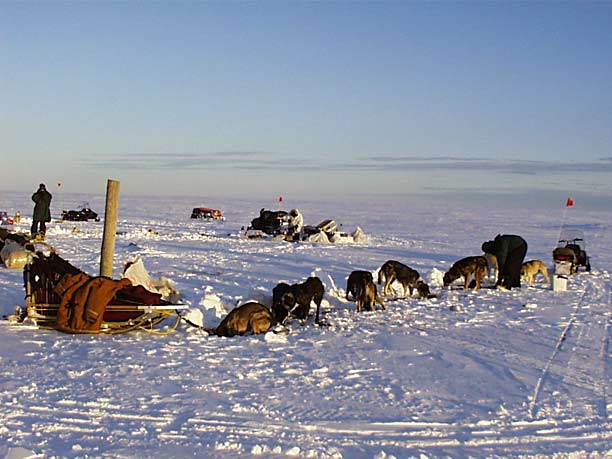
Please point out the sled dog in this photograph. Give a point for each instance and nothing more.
(249, 318)
(360, 285)
(532, 268)
(295, 299)
(466, 268)
(393, 270)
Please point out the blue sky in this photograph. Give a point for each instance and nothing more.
(307, 98)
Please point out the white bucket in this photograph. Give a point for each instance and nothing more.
(559, 283)
(562, 273)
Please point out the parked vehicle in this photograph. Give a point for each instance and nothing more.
(5, 219)
(206, 213)
(82, 215)
(271, 222)
(571, 248)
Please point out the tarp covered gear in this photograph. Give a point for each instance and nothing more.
(138, 274)
(14, 255)
(328, 226)
(84, 300)
(359, 235)
(319, 236)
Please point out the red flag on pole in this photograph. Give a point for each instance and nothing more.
(569, 203)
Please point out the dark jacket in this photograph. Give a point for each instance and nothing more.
(502, 245)
(42, 198)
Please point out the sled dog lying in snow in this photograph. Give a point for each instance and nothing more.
(295, 299)
(250, 318)
(467, 268)
(360, 285)
(531, 269)
(393, 270)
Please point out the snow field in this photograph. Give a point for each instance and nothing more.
(480, 374)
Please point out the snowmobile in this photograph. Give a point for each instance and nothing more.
(270, 222)
(83, 215)
(571, 249)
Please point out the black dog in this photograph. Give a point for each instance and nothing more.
(360, 285)
(279, 311)
(295, 299)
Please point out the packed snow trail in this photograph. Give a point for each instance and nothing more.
(587, 334)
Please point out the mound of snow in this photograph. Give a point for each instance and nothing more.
(436, 278)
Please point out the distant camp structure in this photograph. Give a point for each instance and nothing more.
(275, 224)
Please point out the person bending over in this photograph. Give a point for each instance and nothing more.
(510, 251)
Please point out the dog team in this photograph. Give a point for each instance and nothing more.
(503, 256)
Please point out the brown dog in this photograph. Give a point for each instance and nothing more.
(393, 270)
(532, 268)
(360, 285)
(250, 318)
(467, 267)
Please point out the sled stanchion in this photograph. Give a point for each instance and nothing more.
(110, 228)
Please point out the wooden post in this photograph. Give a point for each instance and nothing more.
(110, 228)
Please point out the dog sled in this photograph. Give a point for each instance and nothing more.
(132, 307)
(571, 249)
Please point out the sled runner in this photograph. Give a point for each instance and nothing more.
(130, 307)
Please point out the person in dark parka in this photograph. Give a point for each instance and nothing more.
(42, 212)
(510, 251)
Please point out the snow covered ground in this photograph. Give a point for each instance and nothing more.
(467, 374)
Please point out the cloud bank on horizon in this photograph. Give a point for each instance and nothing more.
(272, 174)
(278, 162)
